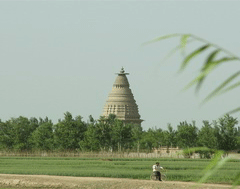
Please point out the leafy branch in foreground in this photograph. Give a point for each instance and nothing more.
(216, 163)
(211, 63)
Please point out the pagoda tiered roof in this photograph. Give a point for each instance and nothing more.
(121, 101)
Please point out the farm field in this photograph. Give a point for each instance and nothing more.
(132, 168)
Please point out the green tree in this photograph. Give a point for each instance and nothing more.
(22, 129)
(121, 135)
(91, 141)
(113, 134)
(7, 135)
(69, 132)
(238, 139)
(104, 132)
(42, 137)
(16, 132)
(206, 136)
(170, 136)
(91, 138)
(152, 138)
(187, 135)
(137, 133)
(226, 133)
(238, 143)
(148, 140)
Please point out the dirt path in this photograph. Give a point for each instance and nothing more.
(45, 181)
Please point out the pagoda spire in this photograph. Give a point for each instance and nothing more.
(122, 72)
(121, 101)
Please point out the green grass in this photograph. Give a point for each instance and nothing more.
(177, 169)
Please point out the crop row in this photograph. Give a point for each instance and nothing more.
(177, 169)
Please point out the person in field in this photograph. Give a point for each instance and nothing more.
(156, 170)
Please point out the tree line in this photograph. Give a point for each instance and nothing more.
(111, 134)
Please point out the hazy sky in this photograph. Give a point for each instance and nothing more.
(59, 56)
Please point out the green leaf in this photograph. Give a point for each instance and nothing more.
(193, 54)
(216, 163)
(219, 88)
(162, 38)
(208, 67)
(202, 75)
(234, 111)
(229, 88)
(211, 63)
(208, 64)
(184, 40)
(174, 50)
(210, 59)
(225, 59)
(212, 167)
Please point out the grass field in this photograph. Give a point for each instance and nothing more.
(177, 169)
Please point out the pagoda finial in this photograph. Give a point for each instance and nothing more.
(122, 72)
